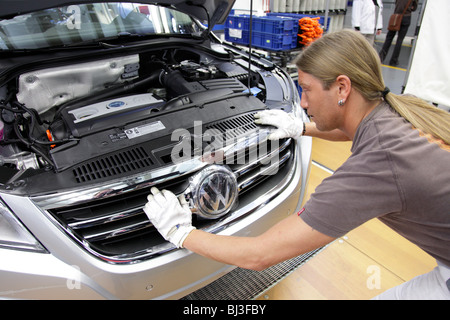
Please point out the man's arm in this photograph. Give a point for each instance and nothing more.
(287, 239)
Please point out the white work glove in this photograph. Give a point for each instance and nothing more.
(170, 216)
(288, 125)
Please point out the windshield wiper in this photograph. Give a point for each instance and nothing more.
(107, 42)
(102, 42)
(80, 45)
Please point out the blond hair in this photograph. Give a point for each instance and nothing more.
(348, 53)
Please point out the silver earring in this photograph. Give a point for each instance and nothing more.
(341, 102)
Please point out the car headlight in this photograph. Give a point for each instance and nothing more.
(13, 235)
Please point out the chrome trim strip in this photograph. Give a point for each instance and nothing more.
(242, 170)
(117, 232)
(117, 187)
(269, 170)
(105, 219)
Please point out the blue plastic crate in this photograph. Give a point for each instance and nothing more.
(241, 22)
(237, 36)
(294, 43)
(268, 41)
(272, 41)
(270, 24)
(267, 24)
(270, 33)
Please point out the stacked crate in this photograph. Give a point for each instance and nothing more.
(320, 24)
(237, 29)
(272, 33)
(298, 16)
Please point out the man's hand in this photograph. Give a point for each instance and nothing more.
(288, 126)
(170, 216)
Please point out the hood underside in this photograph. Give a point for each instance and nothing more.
(212, 11)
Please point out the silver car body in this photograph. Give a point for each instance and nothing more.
(45, 252)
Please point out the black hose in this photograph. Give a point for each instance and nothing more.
(32, 147)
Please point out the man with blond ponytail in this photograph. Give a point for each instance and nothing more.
(399, 170)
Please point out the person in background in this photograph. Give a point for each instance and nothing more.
(406, 21)
(399, 170)
(367, 18)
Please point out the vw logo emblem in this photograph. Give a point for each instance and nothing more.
(214, 191)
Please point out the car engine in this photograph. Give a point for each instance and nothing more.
(57, 118)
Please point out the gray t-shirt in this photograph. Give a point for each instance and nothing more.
(396, 174)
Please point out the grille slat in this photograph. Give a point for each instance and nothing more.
(96, 221)
(262, 173)
(116, 232)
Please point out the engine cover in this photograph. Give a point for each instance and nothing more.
(44, 89)
(141, 126)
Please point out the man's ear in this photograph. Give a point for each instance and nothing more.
(344, 86)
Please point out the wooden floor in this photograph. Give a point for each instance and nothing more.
(358, 266)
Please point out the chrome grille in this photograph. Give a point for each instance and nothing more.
(114, 227)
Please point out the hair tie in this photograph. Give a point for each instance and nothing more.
(385, 92)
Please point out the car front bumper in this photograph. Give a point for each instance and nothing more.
(69, 272)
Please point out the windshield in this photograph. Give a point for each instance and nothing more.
(90, 22)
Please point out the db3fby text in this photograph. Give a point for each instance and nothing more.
(231, 309)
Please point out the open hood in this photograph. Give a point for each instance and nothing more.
(211, 11)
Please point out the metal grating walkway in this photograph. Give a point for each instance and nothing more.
(243, 284)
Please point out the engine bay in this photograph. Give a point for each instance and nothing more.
(59, 119)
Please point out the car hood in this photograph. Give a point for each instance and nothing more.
(212, 11)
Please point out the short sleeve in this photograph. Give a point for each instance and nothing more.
(361, 189)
